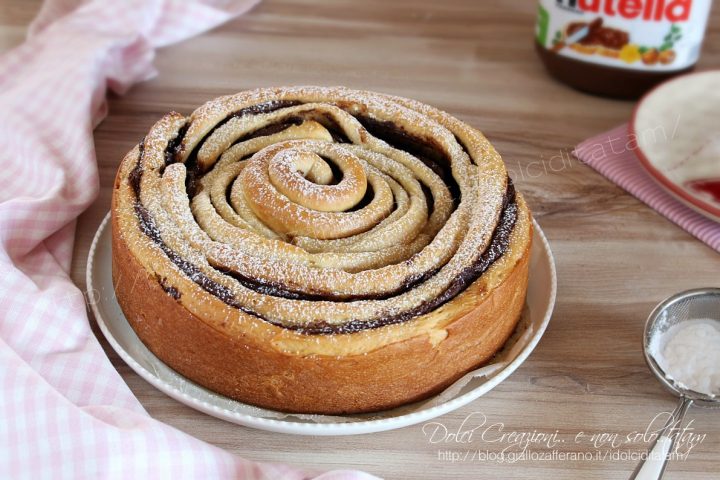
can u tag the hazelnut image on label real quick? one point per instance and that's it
(666, 57)
(650, 57)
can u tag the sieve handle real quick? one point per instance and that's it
(653, 466)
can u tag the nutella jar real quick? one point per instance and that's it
(620, 48)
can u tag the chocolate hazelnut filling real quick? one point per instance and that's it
(424, 149)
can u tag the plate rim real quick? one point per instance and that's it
(323, 429)
(698, 204)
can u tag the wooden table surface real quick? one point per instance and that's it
(616, 258)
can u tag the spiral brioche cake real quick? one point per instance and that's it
(319, 250)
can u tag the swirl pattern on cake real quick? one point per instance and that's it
(323, 210)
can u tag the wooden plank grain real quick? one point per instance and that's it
(616, 258)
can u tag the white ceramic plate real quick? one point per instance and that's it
(677, 129)
(540, 301)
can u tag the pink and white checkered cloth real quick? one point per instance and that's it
(608, 154)
(64, 410)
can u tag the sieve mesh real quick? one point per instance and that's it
(690, 305)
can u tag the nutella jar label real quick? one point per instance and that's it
(651, 35)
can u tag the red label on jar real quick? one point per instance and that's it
(654, 35)
(651, 10)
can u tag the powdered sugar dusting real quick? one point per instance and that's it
(285, 241)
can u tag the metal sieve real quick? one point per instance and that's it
(702, 303)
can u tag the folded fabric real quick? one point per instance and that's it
(64, 410)
(613, 155)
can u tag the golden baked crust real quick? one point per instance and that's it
(300, 331)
